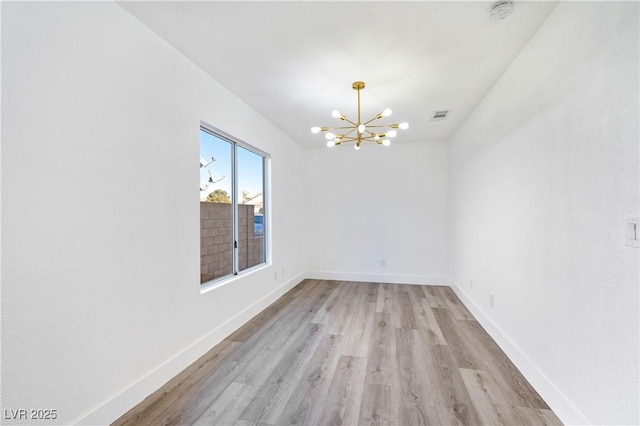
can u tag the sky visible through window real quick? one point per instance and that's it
(250, 173)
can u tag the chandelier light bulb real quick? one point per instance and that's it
(361, 128)
(387, 112)
(403, 126)
(315, 129)
(376, 138)
(392, 133)
(330, 136)
(330, 143)
(336, 114)
(386, 142)
(356, 147)
(203, 162)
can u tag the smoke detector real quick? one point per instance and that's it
(500, 10)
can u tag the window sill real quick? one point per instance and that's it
(212, 285)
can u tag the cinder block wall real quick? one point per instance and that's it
(216, 237)
(250, 246)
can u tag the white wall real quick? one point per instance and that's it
(101, 300)
(378, 203)
(543, 173)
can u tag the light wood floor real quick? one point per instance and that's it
(346, 353)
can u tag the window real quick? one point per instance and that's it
(232, 206)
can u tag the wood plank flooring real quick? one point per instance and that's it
(351, 353)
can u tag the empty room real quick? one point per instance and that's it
(408, 213)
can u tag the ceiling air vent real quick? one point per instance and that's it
(439, 115)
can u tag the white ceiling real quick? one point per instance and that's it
(294, 62)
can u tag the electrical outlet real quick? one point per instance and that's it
(282, 272)
(491, 300)
(383, 262)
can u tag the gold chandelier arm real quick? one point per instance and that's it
(347, 140)
(346, 137)
(349, 121)
(355, 138)
(377, 117)
(392, 126)
(324, 129)
(372, 138)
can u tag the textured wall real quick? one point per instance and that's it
(543, 173)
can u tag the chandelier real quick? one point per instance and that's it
(359, 131)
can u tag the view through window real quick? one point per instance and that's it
(232, 207)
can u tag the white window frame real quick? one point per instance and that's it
(266, 167)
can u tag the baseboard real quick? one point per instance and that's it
(111, 410)
(559, 403)
(378, 278)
